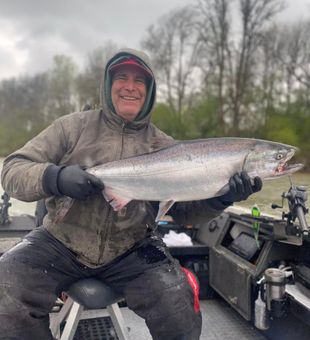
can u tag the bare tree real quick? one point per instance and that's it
(88, 82)
(255, 14)
(269, 74)
(62, 87)
(174, 46)
(214, 28)
(293, 52)
(231, 52)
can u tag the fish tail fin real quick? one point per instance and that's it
(116, 202)
(62, 208)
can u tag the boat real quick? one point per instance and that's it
(253, 271)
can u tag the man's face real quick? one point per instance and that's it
(128, 91)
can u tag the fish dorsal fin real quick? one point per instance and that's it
(117, 202)
(164, 206)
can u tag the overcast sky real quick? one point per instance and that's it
(33, 31)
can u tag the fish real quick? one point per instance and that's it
(190, 170)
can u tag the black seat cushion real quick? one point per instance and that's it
(93, 294)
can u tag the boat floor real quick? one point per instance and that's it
(219, 321)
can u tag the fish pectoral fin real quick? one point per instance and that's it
(164, 206)
(116, 202)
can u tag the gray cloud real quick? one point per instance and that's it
(40, 29)
(6, 63)
(74, 27)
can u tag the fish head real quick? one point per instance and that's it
(270, 159)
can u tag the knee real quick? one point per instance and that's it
(10, 299)
(10, 286)
(181, 300)
(11, 311)
(17, 319)
(171, 313)
(164, 292)
(166, 300)
(17, 309)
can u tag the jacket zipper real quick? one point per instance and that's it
(110, 210)
(122, 141)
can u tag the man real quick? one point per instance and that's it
(119, 248)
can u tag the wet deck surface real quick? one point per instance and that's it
(219, 322)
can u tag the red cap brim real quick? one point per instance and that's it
(131, 62)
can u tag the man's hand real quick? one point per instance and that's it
(240, 188)
(72, 181)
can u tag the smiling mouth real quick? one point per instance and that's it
(129, 98)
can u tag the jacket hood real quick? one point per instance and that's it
(144, 116)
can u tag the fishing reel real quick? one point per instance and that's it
(296, 197)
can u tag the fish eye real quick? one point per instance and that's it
(279, 156)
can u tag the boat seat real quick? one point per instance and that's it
(87, 299)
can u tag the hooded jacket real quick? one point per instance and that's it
(91, 228)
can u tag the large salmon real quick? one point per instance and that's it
(191, 170)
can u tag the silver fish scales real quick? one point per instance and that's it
(191, 170)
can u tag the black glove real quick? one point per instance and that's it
(70, 181)
(240, 188)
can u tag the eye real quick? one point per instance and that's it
(140, 80)
(119, 76)
(279, 156)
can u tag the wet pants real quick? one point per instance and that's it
(38, 269)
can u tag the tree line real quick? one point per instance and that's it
(224, 68)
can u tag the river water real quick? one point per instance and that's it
(271, 193)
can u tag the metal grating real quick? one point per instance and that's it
(95, 329)
(220, 321)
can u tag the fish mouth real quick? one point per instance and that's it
(284, 168)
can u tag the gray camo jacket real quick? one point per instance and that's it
(91, 228)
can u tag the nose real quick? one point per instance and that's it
(129, 85)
